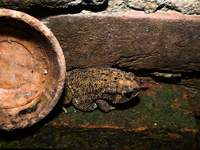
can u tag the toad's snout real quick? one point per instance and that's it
(130, 94)
(126, 95)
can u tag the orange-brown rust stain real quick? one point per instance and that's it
(150, 92)
(175, 105)
(87, 125)
(185, 96)
(97, 126)
(189, 130)
(140, 129)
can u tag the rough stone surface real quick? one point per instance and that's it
(111, 6)
(151, 6)
(27, 4)
(164, 41)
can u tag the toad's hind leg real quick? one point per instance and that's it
(103, 105)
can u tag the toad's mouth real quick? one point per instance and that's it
(131, 94)
(125, 96)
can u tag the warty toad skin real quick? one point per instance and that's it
(99, 86)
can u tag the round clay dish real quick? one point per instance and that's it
(32, 72)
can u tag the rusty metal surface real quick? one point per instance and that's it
(32, 70)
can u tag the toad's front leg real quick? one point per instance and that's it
(104, 106)
(64, 109)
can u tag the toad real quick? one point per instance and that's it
(99, 86)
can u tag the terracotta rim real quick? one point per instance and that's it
(39, 27)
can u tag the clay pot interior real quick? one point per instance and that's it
(32, 70)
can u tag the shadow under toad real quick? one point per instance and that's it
(127, 105)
